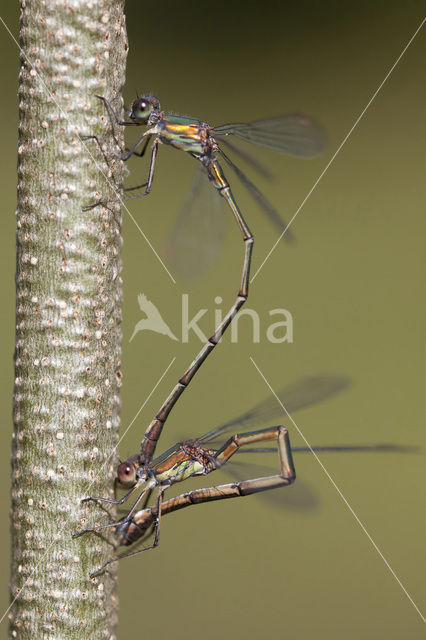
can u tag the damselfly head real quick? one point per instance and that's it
(143, 107)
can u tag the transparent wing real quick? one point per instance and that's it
(301, 394)
(248, 157)
(198, 232)
(347, 448)
(294, 134)
(299, 494)
(264, 204)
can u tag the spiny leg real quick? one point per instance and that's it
(154, 430)
(102, 147)
(111, 500)
(147, 489)
(157, 519)
(125, 123)
(101, 144)
(114, 116)
(128, 123)
(129, 152)
(132, 151)
(148, 183)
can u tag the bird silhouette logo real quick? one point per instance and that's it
(153, 320)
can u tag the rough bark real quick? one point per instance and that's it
(68, 337)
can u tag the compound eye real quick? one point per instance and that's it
(144, 106)
(141, 110)
(126, 473)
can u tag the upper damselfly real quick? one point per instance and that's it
(292, 134)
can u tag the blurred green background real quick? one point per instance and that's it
(353, 283)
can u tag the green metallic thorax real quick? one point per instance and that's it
(184, 133)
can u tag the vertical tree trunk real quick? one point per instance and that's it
(68, 338)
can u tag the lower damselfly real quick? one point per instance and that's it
(294, 134)
(199, 456)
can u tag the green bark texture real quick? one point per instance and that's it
(68, 313)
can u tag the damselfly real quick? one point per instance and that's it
(198, 457)
(292, 134)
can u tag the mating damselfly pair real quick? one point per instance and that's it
(143, 474)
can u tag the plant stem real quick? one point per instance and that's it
(68, 337)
